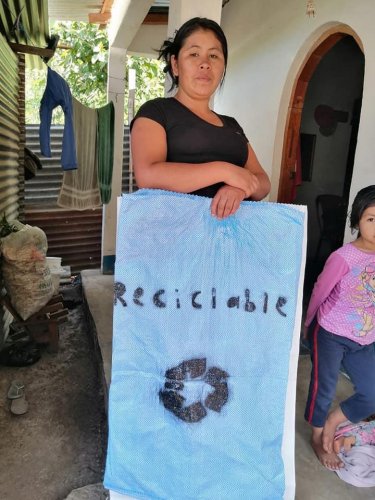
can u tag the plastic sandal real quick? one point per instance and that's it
(19, 406)
(16, 389)
(16, 393)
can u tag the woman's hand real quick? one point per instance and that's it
(241, 178)
(226, 201)
(252, 178)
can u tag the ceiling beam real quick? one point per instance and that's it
(104, 16)
(30, 49)
(99, 18)
(127, 17)
(156, 18)
(107, 6)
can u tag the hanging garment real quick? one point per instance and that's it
(205, 347)
(80, 189)
(105, 145)
(359, 466)
(57, 93)
(32, 164)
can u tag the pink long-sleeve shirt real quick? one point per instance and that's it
(343, 298)
(364, 432)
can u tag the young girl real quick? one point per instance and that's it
(342, 306)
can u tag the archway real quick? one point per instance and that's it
(321, 131)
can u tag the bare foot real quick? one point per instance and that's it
(329, 460)
(335, 418)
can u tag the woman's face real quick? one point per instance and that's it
(200, 65)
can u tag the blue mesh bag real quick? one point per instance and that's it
(206, 324)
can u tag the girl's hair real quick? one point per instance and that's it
(365, 198)
(172, 46)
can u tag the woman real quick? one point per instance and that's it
(180, 144)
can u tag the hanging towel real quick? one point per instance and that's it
(105, 144)
(80, 189)
(57, 93)
(205, 347)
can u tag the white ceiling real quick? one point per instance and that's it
(73, 10)
(79, 10)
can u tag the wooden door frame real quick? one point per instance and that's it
(297, 100)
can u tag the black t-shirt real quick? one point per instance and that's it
(190, 139)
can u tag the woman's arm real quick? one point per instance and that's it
(262, 185)
(227, 200)
(149, 153)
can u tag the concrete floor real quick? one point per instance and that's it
(59, 444)
(313, 481)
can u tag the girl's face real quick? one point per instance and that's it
(199, 65)
(367, 228)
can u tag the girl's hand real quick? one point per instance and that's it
(345, 442)
(226, 201)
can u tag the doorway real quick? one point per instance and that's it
(320, 143)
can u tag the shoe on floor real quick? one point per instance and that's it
(16, 389)
(16, 394)
(20, 354)
(19, 406)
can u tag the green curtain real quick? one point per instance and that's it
(105, 145)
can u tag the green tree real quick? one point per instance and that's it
(83, 64)
(150, 78)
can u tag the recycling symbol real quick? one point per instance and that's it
(194, 369)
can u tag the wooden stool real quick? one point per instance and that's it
(42, 326)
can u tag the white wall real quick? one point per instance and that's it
(148, 40)
(268, 41)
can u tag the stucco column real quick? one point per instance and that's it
(115, 92)
(182, 10)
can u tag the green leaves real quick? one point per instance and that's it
(149, 79)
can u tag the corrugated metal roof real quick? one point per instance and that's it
(9, 131)
(25, 21)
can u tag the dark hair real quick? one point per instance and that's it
(364, 199)
(172, 46)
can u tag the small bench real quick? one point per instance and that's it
(42, 326)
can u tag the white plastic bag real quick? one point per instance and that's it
(27, 277)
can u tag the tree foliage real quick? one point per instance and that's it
(84, 66)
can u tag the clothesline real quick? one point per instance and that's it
(87, 147)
